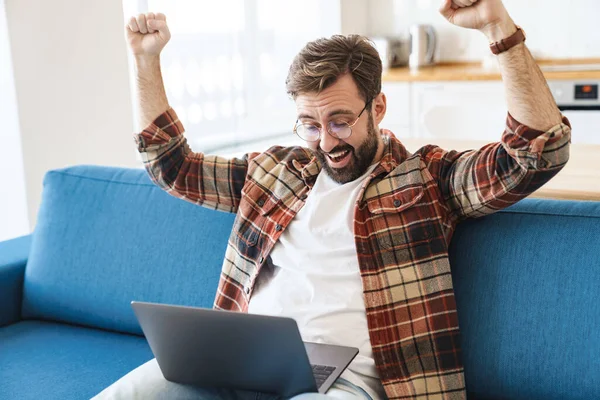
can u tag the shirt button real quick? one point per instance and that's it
(397, 203)
(278, 228)
(247, 290)
(261, 259)
(261, 202)
(303, 197)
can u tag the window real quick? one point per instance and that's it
(225, 66)
(14, 220)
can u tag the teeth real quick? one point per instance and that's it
(338, 154)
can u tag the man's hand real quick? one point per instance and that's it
(487, 16)
(147, 34)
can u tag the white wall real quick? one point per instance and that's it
(555, 28)
(354, 16)
(13, 203)
(73, 93)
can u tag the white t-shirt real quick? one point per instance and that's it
(315, 278)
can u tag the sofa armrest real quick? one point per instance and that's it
(13, 258)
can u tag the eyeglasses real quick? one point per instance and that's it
(337, 129)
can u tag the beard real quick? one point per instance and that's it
(362, 157)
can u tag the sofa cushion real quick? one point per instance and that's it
(527, 283)
(107, 236)
(43, 360)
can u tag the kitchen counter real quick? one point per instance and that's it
(475, 71)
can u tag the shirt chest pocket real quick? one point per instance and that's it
(256, 205)
(401, 218)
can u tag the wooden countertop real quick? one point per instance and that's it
(475, 71)
(562, 194)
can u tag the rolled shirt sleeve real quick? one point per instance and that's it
(211, 181)
(479, 182)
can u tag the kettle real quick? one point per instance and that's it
(422, 46)
(394, 51)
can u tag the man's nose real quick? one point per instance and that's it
(327, 142)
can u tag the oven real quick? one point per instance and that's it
(580, 102)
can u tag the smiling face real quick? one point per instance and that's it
(343, 159)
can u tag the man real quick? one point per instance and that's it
(350, 234)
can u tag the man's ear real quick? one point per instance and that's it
(379, 108)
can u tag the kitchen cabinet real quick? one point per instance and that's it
(586, 126)
(458, 110)
(397, 117)
(445, 110)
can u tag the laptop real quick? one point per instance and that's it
(213, 348)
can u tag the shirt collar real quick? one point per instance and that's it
(394, 154)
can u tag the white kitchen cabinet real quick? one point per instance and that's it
(398, 116)
(586, 126)
(458, 110)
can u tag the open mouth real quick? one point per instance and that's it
(339, 158)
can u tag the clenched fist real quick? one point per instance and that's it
(488, 16)
(147, 34)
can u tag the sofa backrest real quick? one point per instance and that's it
(527, 284)
(107, 236)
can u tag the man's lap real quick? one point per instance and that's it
(147, 382)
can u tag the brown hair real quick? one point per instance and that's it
(321, 62)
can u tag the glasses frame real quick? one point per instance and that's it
(296, 124)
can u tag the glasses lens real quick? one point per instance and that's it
(308, 132)
(340, 129)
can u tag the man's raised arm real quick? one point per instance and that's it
(147, 35)
(211, 181)
(528, 97)
(534, 146)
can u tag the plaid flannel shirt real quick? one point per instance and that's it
(405, 216)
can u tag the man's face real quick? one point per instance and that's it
(343, 159)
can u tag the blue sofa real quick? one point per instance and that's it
(527, 284)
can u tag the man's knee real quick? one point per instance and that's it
(148, 382)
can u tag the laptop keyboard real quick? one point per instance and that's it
(321, 373)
